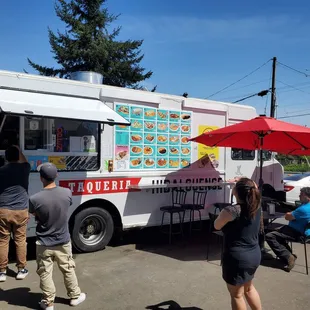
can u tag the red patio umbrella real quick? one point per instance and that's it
(260, 133)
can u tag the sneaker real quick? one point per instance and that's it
(291, 263)
(79, 300)
(2, 276)
(22, 274)
(44, 306)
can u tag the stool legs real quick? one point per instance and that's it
(170, 230)
(306, 258)
(171, 223)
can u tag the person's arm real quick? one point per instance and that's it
(31, 208)
(223, 218)
(298, 214)
(22, 158)
(289, 216)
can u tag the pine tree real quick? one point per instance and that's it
(87, 45)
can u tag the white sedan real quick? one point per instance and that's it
(293, 183)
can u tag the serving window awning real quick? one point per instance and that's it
(57, 106)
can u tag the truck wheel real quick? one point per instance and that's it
(93, 229)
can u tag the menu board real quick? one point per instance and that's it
(156, 139)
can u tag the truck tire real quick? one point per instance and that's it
(92, 230)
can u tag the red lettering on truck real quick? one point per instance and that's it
(99, 186)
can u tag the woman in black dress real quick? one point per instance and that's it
(240, 224)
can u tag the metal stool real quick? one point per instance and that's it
(178, 200)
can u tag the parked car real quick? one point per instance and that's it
(293, 183)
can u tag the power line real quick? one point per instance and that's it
(291, 116)
(289, 105)
(293, 69)
(291, 86)
(297, 111)
(260, 94)
(244, 86)
(283, 89)
(221, 90)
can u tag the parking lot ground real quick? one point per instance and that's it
(143, 271)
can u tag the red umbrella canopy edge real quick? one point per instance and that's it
(274, 135)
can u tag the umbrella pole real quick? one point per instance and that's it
(260, 186)
(261, 181)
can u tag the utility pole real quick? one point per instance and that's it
(273, 88)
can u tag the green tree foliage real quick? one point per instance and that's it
(88, 45)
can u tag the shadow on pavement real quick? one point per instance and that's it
(23, 297)
(187, 248)
(172, 305)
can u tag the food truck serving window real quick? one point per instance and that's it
(240, 154)
(71, 145)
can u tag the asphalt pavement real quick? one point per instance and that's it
(143, 271)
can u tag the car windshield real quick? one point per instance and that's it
(297, 177)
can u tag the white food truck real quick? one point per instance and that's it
(112, 144)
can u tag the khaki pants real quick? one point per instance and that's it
(62, 254)
(13, 221)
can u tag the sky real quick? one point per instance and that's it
(197, 46)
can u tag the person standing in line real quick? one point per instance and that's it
(51, 210)
(240, 224)
(14, 181)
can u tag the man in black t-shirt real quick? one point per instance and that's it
(14, 180)
(51, 210)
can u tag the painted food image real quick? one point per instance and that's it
(123, 109)
(185, 150)
(149, 125)
(121, 155)
(162, 162)
(162, 115)
(184, 140)
(184, 162)
(162, 126)
(174, 163)
(136, 149)
(136, 111)
(150, 138)
(185, 117)
(136, 124)
(174, 151)
(174, 139)
(162, 139)
(174, 127)
(149, 113)
(122, 126)
(136, 162)
(185, 128)
(174, 116)
(162, 150)
(149, 162)
(136, 138)
(148, 150)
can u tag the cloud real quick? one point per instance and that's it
(178, 29)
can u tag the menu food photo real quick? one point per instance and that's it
(156, 139)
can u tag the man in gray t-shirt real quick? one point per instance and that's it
(51, 210)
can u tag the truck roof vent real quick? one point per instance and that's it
(87, 76)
